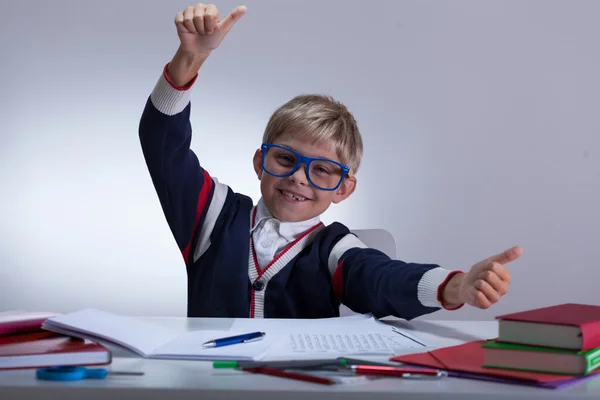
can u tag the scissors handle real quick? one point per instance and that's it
(70, 373)
(74, 373)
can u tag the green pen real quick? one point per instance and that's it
(334, 363)
(280, 364)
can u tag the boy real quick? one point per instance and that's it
(276, 259)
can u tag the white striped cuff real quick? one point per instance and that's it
(427, 288)
(167, 99)
(346, 243)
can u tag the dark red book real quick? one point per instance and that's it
(47, 349)
(566, 326)
(468, 360)
(18, 321)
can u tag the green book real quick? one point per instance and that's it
(540, 359)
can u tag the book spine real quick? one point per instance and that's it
(592, 361)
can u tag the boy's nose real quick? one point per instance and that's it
(299, 176)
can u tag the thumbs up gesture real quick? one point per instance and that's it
(484, 284)
(200, 28)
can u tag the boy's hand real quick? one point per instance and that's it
(484, 284)
(200, 28)
(200, 31)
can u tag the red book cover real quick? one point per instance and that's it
(22, 321)
(469, 358)
(46, 349)
(585, 316)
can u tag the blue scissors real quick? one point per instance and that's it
(75, 373)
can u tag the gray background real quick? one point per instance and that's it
(480, 123)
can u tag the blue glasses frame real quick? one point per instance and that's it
(301, 159)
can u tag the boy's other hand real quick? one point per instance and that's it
(200, 28)
(484, 284)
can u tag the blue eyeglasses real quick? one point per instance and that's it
(322, 173)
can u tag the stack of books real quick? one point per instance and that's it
(25, 344)
(561, 339)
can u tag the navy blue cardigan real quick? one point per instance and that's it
(211, 225)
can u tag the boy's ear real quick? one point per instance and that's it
(257, 161)
(345, 190)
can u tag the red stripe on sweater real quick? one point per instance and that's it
(202, 203)
(338, 281)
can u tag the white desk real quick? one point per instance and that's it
(173, 379)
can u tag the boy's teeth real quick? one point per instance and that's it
(294, 197)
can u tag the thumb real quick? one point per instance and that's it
(507, 256)
(232, 18)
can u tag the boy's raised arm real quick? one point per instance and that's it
(184, 188)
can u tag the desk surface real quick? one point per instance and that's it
(175, 379)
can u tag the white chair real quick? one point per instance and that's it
(379, 239)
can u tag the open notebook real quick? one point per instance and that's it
(357, 335)
(154, 341)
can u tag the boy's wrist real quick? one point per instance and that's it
(184, 67)
(450, 295)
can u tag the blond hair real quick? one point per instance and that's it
(322, 119)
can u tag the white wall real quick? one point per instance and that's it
(480, 122)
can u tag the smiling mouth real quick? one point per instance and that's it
(292, 196)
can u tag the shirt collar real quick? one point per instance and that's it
(289, 230)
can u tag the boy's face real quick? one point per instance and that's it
(308, 201)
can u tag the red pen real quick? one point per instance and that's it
(401, 372)
(291, 375)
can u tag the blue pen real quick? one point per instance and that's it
(245, 338)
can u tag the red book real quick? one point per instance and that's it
(47, 349)
(468, 359)
(22, 321)
(566, 326)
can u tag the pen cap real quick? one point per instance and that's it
(225, 364)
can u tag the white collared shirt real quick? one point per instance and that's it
(271, 236)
